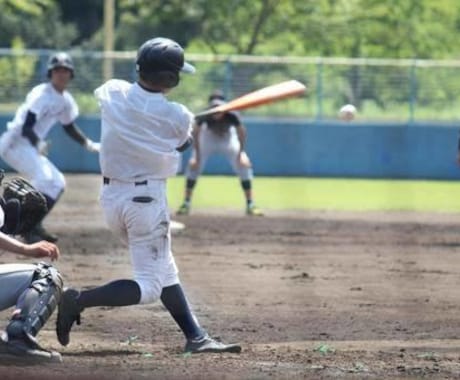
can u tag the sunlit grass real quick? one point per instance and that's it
(279, 193)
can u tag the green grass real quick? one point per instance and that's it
(322, 194)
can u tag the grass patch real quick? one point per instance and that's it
(277, 193)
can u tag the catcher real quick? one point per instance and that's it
(34, 289)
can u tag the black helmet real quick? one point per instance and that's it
(160, 60)
(60, 59)
(216, 95)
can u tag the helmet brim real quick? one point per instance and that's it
(216, 102)
(188, 68)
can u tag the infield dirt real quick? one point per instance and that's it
(309, 295)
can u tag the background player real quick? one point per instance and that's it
(221, 133)
(23, 145)
(142, 134)
(35, 289)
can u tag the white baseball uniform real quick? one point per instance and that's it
(219, 137)
(140, 133)
(50, 107)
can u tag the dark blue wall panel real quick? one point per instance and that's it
(293, 148)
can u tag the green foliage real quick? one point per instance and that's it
(349, 28)
(16, 71)
(36, 22)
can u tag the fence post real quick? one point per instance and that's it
(412, 91)
(319, 90)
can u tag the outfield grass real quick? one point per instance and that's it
(322, 194)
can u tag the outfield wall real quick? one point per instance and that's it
(293, 148)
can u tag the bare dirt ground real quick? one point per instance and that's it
(308, 295)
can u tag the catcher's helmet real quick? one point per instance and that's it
(159, 60)
(60, 59)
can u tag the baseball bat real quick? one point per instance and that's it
(265, 95)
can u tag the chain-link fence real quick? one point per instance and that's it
(381, 89)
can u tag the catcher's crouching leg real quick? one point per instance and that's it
(33, 309)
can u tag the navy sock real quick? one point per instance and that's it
(174, 300)
(115, 293)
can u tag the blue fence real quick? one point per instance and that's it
(294, 148)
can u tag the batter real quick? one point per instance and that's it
(143, 134)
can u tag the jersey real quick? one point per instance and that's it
(220, 126)
(49, 106)
(140, 132)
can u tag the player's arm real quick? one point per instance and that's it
(243, 159)
(77, 135)
(196, 137)
(36, 250)
(240, 131)
(28, 128)
(185, 145)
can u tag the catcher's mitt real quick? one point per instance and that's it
(23, 205)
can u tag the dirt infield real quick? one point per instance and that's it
(308, 295)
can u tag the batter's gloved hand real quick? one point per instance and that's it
(23, 206)
(92, 146)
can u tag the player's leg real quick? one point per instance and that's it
(243, 170)
(51, 183)
(40, 289)
(42, 174)
(121, 292)
(194, 170)
(159, 273)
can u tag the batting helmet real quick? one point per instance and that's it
(60, 59)
(159, 60)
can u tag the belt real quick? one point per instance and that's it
(106, 181)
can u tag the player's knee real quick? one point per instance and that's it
(190, 184)
(51, 187)
(150, 290)
(245, 174)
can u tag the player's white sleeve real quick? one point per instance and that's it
(70, 112)
(36, 102)
(185, 125)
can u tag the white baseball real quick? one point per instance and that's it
(347, 112)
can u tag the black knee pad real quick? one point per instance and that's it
(37, 302)
(246, 184)
(190, 184)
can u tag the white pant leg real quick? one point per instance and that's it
(229, 146)
(208, 146)
(145, 228)
(14, 279)
(18, 153)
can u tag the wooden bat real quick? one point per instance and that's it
(265, 95)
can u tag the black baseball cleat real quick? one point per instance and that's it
(25, 351)
(68, 313)
(208, 344)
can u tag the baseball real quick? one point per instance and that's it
(347, 112)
